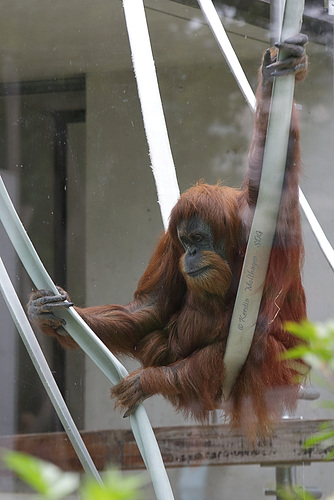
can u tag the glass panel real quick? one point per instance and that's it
(74, 157)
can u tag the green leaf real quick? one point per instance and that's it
(44, 477)
(296, 352)
(327, 404)
(295, 493)
(302, 493)
(304, 330)
(116, 486)
(319, 437)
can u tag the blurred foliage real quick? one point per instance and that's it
(298, 493)
(318, 352)
(51, 483)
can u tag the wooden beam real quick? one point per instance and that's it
(180, 446)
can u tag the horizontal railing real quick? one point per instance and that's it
(181, 446)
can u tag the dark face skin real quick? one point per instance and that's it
(196, 237)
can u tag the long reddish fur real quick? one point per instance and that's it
(179, 331)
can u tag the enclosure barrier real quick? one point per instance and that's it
(185, 446)
(181, 446)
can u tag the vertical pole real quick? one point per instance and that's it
(276, 20)
(248, 298)
(285, 481)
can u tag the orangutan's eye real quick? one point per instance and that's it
(198, 237)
